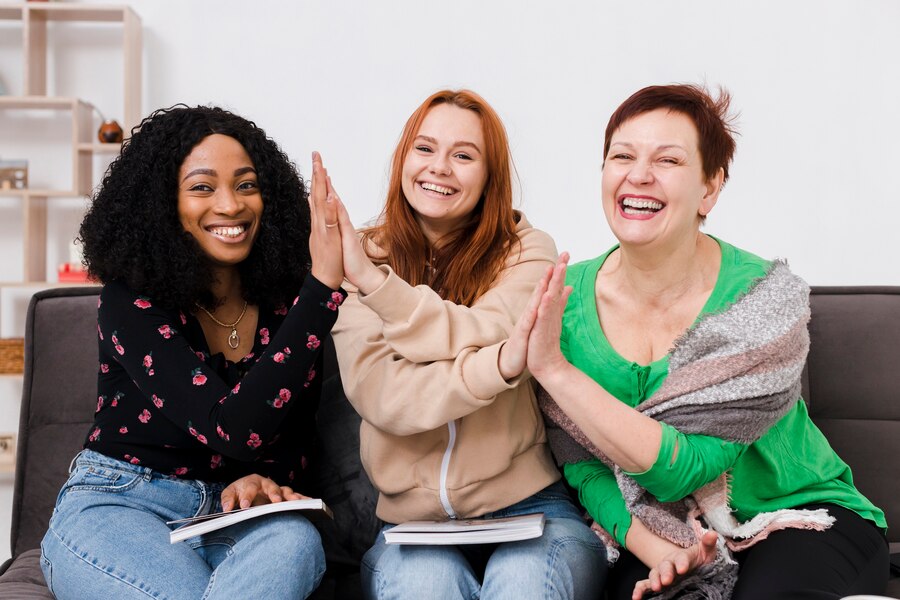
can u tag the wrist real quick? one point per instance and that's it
(370, 279)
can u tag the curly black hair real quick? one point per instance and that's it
(132, 233)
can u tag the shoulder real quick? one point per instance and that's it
(534, 244)
(738, 263)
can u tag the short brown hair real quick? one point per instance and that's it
(715, 127)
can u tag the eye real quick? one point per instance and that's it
(200, 187)
(621, 156)
(247, 185)
(462, 156)
(421, 148)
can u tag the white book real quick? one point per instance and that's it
(467, 531)
(206, 523)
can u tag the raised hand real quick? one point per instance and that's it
(252, 490)
(543, 353)
(325, 249)
(676, 565)
(358, 267)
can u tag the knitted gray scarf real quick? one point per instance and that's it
(732, 375)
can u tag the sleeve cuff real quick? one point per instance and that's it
(659, 472)
(394, 300)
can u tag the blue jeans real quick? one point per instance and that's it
(108, 538)
(567, 561)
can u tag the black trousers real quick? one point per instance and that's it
(851, 557)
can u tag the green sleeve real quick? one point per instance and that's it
(700, 459)
(600, 495)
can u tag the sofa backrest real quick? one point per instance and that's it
(852, 385)
(58, 401)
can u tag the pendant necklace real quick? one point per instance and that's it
(234, 339)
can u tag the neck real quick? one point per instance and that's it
(227, 287)
(660, 276)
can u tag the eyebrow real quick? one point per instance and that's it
(658, 148)
(455, 144)
(213, 173)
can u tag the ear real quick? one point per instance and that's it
(713, 187)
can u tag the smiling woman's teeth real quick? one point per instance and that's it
(632, 206)
(227, 231)
(437, 188)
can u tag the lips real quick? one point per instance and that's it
(230, 233)
(436, 189)
(641, 207)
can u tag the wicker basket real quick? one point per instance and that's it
(12, 355)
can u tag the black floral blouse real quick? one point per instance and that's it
(165, 403)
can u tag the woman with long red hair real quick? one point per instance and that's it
(435, 290)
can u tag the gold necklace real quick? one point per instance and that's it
(234, 340)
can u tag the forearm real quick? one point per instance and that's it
(628, 438)
(646, 545)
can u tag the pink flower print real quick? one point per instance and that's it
(201, 355)
(95, 435)
(166, 331)
(254, 441)
(100, 333)
(331, 305)
(116, 343)
(198, 378)
(157, 401)
(281, 310)
(216, 461)
(264, 336)
(311, 374)
(144, 416)
(123, 430)
(284, 394)
(116, 398)
(104, 368)
(148, 360)
(248, 357)
(312, 342)
(133, 459)
(200, 437)
(236, 388)
(337, 298)
(277, 403)
(142, 303)
(283, 356)
(100, 401)
(222, 433)
(181, 471)
(183, 318)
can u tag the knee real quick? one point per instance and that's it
(292, 539)
(418, 572)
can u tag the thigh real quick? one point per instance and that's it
(851, 557)
(392, 571)
(273, 556)
(108, 538)
(567, 562)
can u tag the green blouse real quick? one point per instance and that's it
(791, 465)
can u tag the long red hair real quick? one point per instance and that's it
(468, 261)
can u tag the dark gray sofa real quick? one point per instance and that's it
(850, 384)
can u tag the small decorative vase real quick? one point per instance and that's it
(110, 132)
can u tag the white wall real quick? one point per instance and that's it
(816, 83)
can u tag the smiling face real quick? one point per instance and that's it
(654, 188)
(445, 170)
(219, 202)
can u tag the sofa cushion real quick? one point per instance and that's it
(24, 579)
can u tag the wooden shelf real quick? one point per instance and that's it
(37, 39)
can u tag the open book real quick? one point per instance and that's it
(206, 523)
(467, 531)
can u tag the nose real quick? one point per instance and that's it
(641, 172)
(227, 202)
(440, 165)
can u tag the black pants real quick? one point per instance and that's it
(851, 557)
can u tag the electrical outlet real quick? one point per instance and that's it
(7, 452)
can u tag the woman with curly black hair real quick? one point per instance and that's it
(219, 283)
